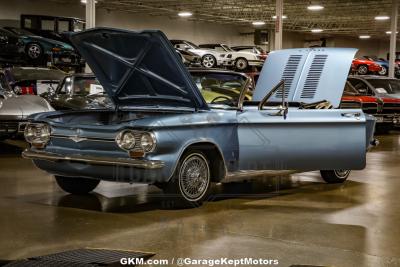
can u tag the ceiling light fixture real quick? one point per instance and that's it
(383, 17)
(316, 30)
(283, 17)
(258, 23)
(364, 36)
(390, 32)
(185, 14)
(85, 1)
(315, 7)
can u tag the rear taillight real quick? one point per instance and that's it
(27, 90)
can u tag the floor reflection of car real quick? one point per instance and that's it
(31, 80)
(386, 110)
(15, 109)
(163, 132)
(78, 91)
(219, 85)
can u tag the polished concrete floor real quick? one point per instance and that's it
(298, 220)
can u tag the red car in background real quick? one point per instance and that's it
(365, 66)
(384, 109)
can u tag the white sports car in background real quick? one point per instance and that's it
(241, 60)
(209, 58)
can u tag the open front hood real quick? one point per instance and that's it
(138, 69)
(310, 74)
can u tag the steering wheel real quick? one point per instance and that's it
(223, 98)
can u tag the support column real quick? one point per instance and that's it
(393, 37)
(90, 14)
(90, 21)
(278, 24)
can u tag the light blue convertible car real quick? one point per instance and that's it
(163, 132)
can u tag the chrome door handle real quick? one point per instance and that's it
(351, 115)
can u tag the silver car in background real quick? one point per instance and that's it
(14, 109)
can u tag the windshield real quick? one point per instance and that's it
(78, 26)
(372, 58)
(227, 48)
(19, 31)
(192, 45)
(260, 50)
(218, 88)
(392, 86)
(349, 90)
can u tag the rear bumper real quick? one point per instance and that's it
(105, 161)
(256, 63)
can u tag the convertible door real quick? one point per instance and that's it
(305, 140)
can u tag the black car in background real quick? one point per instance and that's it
(52, 27)
(11, 47)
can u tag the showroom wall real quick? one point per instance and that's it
(198, 32)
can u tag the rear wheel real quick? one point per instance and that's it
(335, 176)
(76, 185)
(383, 71)
(241, 64)
(34, 51)
(191, 182)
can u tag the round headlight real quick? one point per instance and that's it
(126, 140)
(37, 134)
(147, 142)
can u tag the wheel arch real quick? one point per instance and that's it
(214, 156)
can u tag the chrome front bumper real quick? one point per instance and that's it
(126, 162)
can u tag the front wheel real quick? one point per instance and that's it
(191, 182)
(335, 176)
(362, 70)
(76, 185)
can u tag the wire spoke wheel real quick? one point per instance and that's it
(194, 177)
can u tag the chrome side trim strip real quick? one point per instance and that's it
(127, 162)
(80, 139)
(252, 174)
